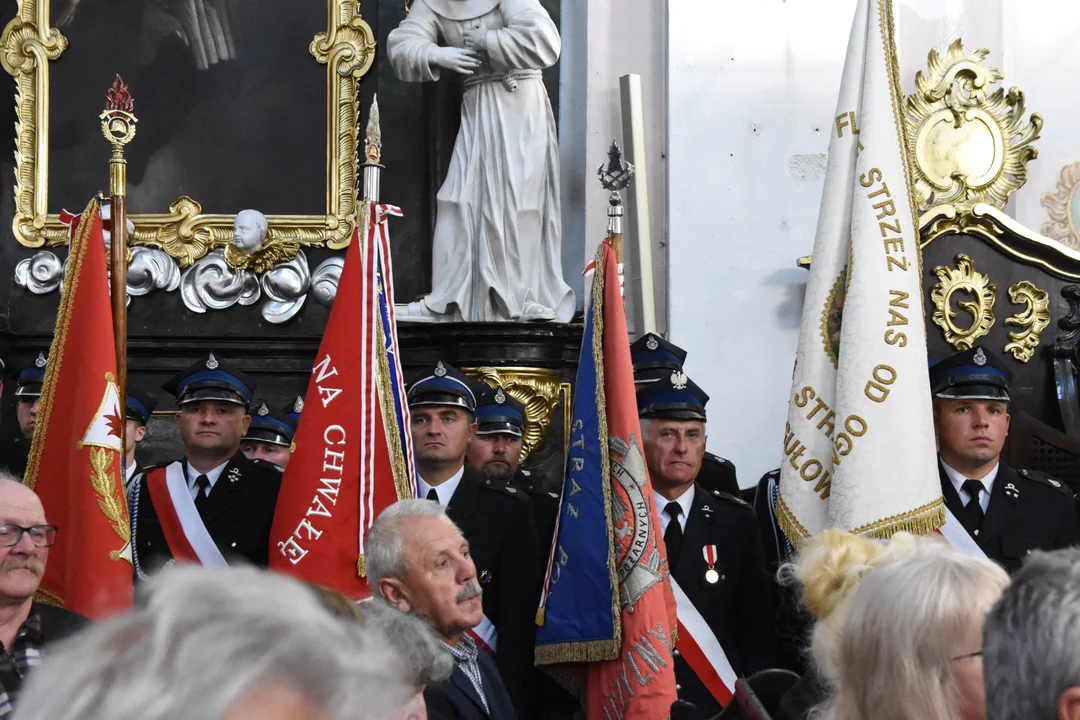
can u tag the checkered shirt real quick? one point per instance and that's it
(465, 655)
(26, 652)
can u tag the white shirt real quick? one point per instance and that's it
(212, 476)
(129, 472)
(685, 501)
(445, 491)
(958, 481)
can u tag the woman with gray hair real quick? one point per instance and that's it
(223, 643)
(910, 642)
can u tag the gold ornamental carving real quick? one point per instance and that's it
(537, 389)
(968, 146)
(347, 49)
(1032, 320)
(1064, 223)
(966, 280)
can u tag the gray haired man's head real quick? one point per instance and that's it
(426, 663)
(1031, 661)
(419, 562)
(220, 643)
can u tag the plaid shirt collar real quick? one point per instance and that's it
(26, 653)
(465, 657)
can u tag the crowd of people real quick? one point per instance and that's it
(872, 629)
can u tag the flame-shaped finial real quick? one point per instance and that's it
(373, 137)
(119, 98)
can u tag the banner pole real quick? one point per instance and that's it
(118, 127)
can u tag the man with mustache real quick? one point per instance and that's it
(712, 538)
(213, 505)
(419, 562)
(1008, 513)
(494, 517)
(27, 628)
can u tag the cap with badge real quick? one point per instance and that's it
(294, 408)
(442, 384)
(30, 379)
(211, 378)
(499, 413)
(672, 396)
(654, 357)
(975, 374)
(139, 406)
(271, 426)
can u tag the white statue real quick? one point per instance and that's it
(496, 253)
(249, 230)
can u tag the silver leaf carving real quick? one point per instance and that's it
(151, 269)
(40, 274)
(286, 284)
(325, 279)
(210, 284)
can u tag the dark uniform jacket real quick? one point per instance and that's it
(14, 455)
(545, 511)
(456, 698)
(238, 514)
(497, 521)
(718, 473)
(739, 608)
(1028, 511)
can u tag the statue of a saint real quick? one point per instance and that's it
(496, 253)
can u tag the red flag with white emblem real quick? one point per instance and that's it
(74, 463)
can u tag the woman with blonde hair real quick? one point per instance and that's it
(910, 642)
(828, 570)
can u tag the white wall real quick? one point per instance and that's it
(752, 93)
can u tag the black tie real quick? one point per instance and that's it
(973, 512)
(673, 535)
(432, 495)
(202, 483)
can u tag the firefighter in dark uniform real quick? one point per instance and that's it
(654, 358)
(1008, 513)
(138, 407)
(270, 435)
(16, 451)
(495, 453)
(494, 517)
(712, 538)
(234, 496)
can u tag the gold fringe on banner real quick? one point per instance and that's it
(920, 521)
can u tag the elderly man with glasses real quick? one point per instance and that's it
(27, 628)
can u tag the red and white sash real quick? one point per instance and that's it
(699, 647)
(957, 536)
(185, 533)
(485, 635)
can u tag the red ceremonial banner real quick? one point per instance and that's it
(74, 463)
(344, 471)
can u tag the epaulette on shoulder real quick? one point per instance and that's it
(718, 459)
(774, 474)
(1041, 477)
(513, 492)
(732, 499)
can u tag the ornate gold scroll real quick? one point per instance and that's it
(1032, 320)
(966, 280)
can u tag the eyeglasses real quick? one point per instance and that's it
(977, 653)
(40, 535)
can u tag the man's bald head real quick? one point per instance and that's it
(19, 499)
(22, 565)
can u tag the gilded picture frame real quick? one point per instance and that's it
(346, 48)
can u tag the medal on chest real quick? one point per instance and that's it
(711, 576)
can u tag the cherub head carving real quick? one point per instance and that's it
(249, 230)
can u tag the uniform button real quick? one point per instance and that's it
(675, 652)
(232, 544)
(678, 688)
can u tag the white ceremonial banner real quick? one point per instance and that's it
(859, 450)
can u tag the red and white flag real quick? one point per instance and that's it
(353, 453)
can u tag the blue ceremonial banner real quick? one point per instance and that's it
(608, 607)
(581, 605)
